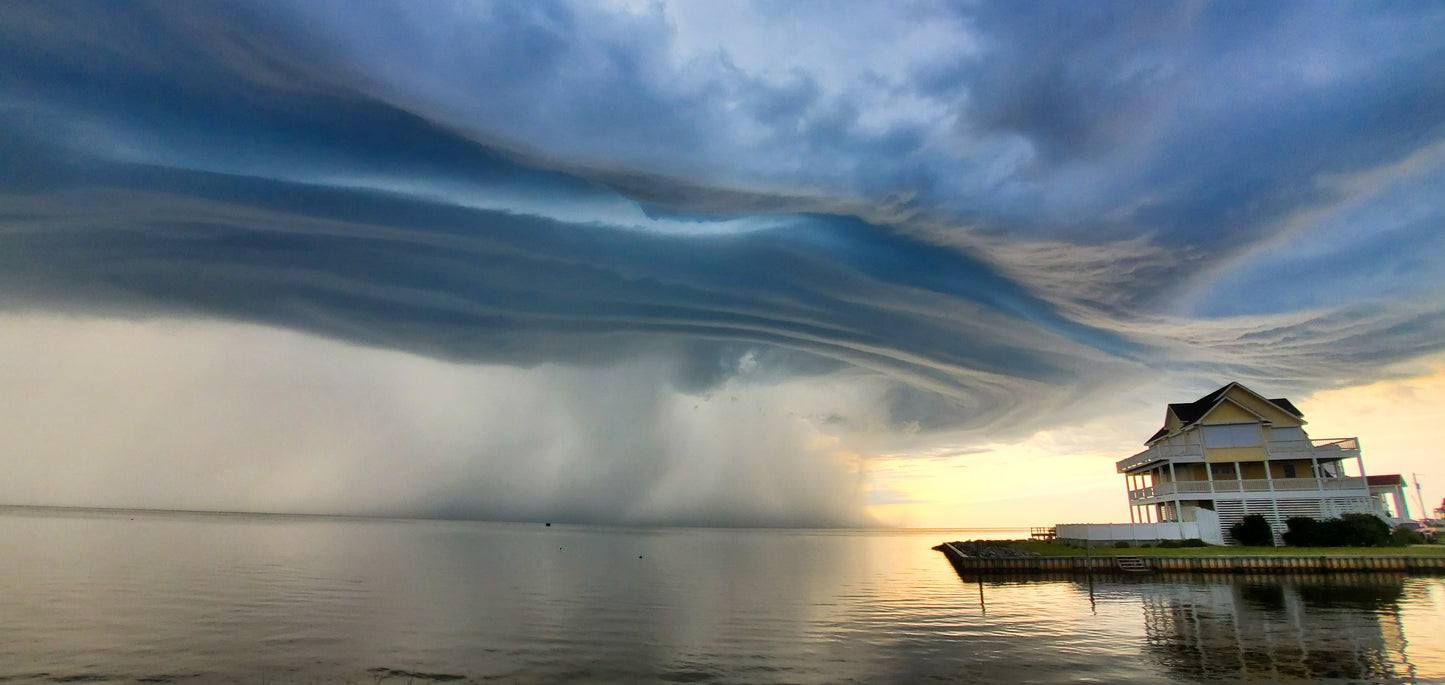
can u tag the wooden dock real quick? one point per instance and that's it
(1132, 565)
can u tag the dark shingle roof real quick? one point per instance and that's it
(1287, 405)
(1190, 412)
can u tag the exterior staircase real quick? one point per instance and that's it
(1132, 564)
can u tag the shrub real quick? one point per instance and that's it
(1366, 530)
(1196, 542)
(1350, 530)
(1253, 531)
(1169, 544)
(1404, 537)
(1302, 531)
(1121, 545)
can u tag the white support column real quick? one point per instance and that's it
(1278, 521)
(1174, 483)
(1402, 506)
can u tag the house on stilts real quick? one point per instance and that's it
(1232, 453)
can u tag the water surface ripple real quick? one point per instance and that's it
(143, 597)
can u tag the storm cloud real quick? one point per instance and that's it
(979, 218)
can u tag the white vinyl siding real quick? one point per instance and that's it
(1232, 435)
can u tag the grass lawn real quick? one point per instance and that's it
(1058, 549)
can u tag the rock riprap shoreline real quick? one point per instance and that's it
(985, 550)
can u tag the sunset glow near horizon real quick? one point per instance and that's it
(695, 263)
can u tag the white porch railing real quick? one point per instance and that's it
(1162, 452)
(1292, 485)
(1328, 449)
(1323, 448)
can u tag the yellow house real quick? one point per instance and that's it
(1235, 452)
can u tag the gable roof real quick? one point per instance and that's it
(1284, 404)
(1190, 413)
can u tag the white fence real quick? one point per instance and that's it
(1130, 532)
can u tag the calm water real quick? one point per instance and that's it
(137, 597)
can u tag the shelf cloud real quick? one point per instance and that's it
(876, 225)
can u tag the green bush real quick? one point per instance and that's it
(1253, 531)
(1350, 530)
(1121, 545)
(1404, 537)
(1169, 544)
(1303, 531)
(1366, 530)
(1196, 542)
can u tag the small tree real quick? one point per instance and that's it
(1253, 531)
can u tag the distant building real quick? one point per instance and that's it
(1235, 452)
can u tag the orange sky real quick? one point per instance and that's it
(1067, 475)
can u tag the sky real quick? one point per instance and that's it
(704, 263)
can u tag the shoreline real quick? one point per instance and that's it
(1143, 564)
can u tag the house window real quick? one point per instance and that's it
(1289, 471)
(1232, 435)
(1225, 469)
(1287, 434)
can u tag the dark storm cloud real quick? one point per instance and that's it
(493, 286)
(1207, 126)
(1068, 79)
(1049, 201)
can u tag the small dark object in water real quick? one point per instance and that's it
(399, 673)
(549, 525)
(639, 556)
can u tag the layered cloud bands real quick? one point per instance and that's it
(971, 234)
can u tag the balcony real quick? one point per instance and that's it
(1162, 452)
(1290, 485)
(1324, 449)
